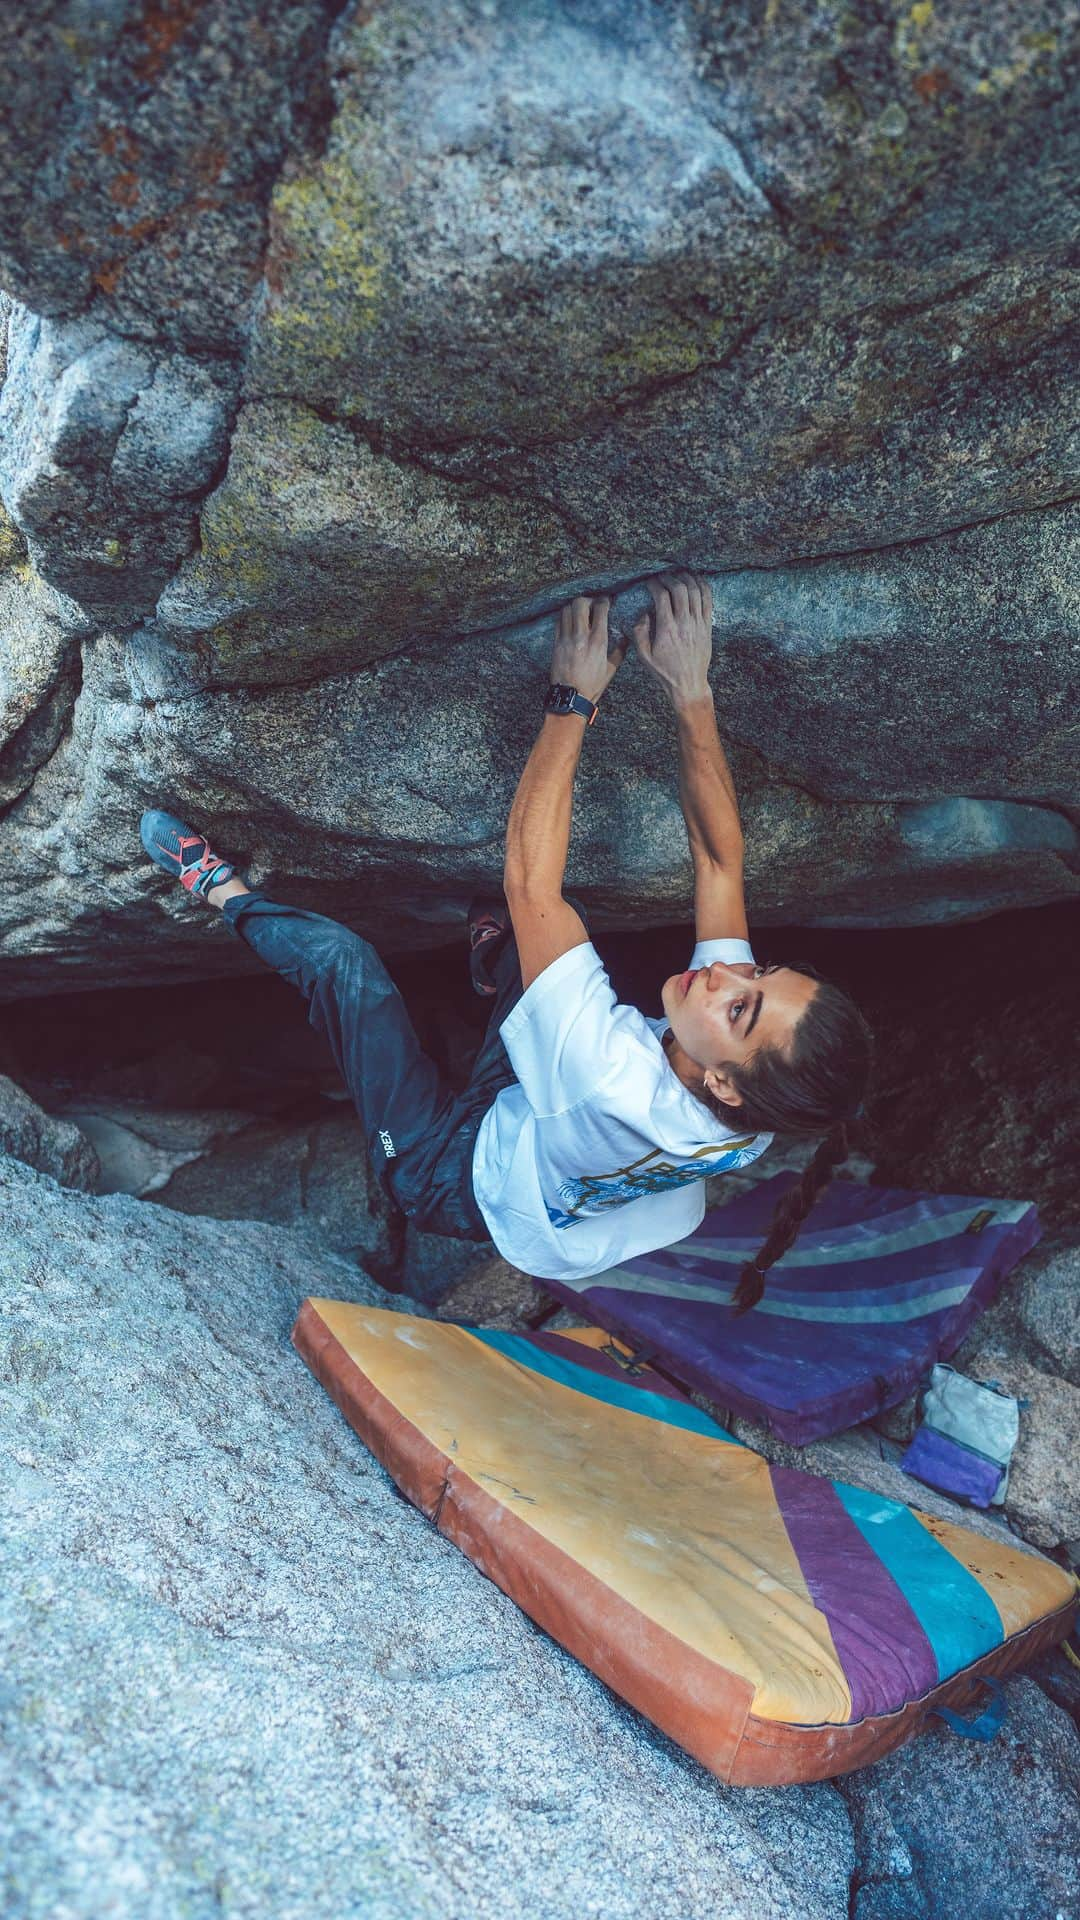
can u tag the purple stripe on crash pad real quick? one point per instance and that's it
(886, 1657)
(844, 1204)
(782, 1363)
(597, 1361)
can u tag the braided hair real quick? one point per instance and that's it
(820, 1087)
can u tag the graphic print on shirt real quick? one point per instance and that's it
(594, 1193)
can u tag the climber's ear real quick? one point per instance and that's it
(719, 1083)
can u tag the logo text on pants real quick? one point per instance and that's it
(388, 1146)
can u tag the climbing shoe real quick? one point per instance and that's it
(489, 929)
(183, 853)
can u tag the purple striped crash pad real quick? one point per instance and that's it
(879, 1284)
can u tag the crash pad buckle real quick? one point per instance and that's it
(980, 1220)
(632, 1360)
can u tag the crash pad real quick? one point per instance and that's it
(880, 1284)
(779, 1626)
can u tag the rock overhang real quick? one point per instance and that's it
(786, 300)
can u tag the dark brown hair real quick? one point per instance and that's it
(820, 1088)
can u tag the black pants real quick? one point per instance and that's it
(420, 1133)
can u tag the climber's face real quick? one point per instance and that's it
(723, 1013)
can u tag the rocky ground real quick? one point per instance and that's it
(242, 1675)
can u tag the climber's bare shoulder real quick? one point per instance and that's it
(545, 927)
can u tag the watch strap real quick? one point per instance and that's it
(562, 699)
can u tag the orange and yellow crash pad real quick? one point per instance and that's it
(778, 1625)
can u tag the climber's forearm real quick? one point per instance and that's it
(538, 830)
(706, 788)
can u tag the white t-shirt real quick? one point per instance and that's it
(599, 1152)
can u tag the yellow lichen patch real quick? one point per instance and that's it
(12, 544)
(300, 431)
(246, 529)
(239, 556)
(79, 45)
(669, 350)
(1001, 78)
(327, 261)
(909, 31)
(654, 354)
(226, 642)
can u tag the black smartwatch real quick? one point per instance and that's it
(560, 699)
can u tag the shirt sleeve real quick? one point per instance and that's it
(732, 952)
(568, 1033)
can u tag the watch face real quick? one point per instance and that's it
(559, 699)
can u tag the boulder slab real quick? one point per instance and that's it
(241, 1670)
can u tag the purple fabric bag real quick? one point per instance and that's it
(953, 1469)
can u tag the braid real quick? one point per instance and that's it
(790, 1213)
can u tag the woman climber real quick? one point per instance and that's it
(586, 1129)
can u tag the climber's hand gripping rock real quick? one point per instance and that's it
(585, 655)
(675, 640)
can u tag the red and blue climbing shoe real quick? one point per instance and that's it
(187, 855)
(489, 927)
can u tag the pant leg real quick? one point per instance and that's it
(396, 1089)
(408, 1111)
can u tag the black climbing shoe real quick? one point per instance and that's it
(489, 930)
(183, 853)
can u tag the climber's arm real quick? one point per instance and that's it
(537, 843)
(675, 643)
(713, 828)
(538, 831)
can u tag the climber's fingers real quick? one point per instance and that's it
(676, 584)
(700, 596)
(579, 615)
(693, 594)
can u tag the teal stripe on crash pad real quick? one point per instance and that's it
(615, 1393)
(834, 1247)
(868, 1312)
(956, 1614)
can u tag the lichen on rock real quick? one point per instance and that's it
(471, 308)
